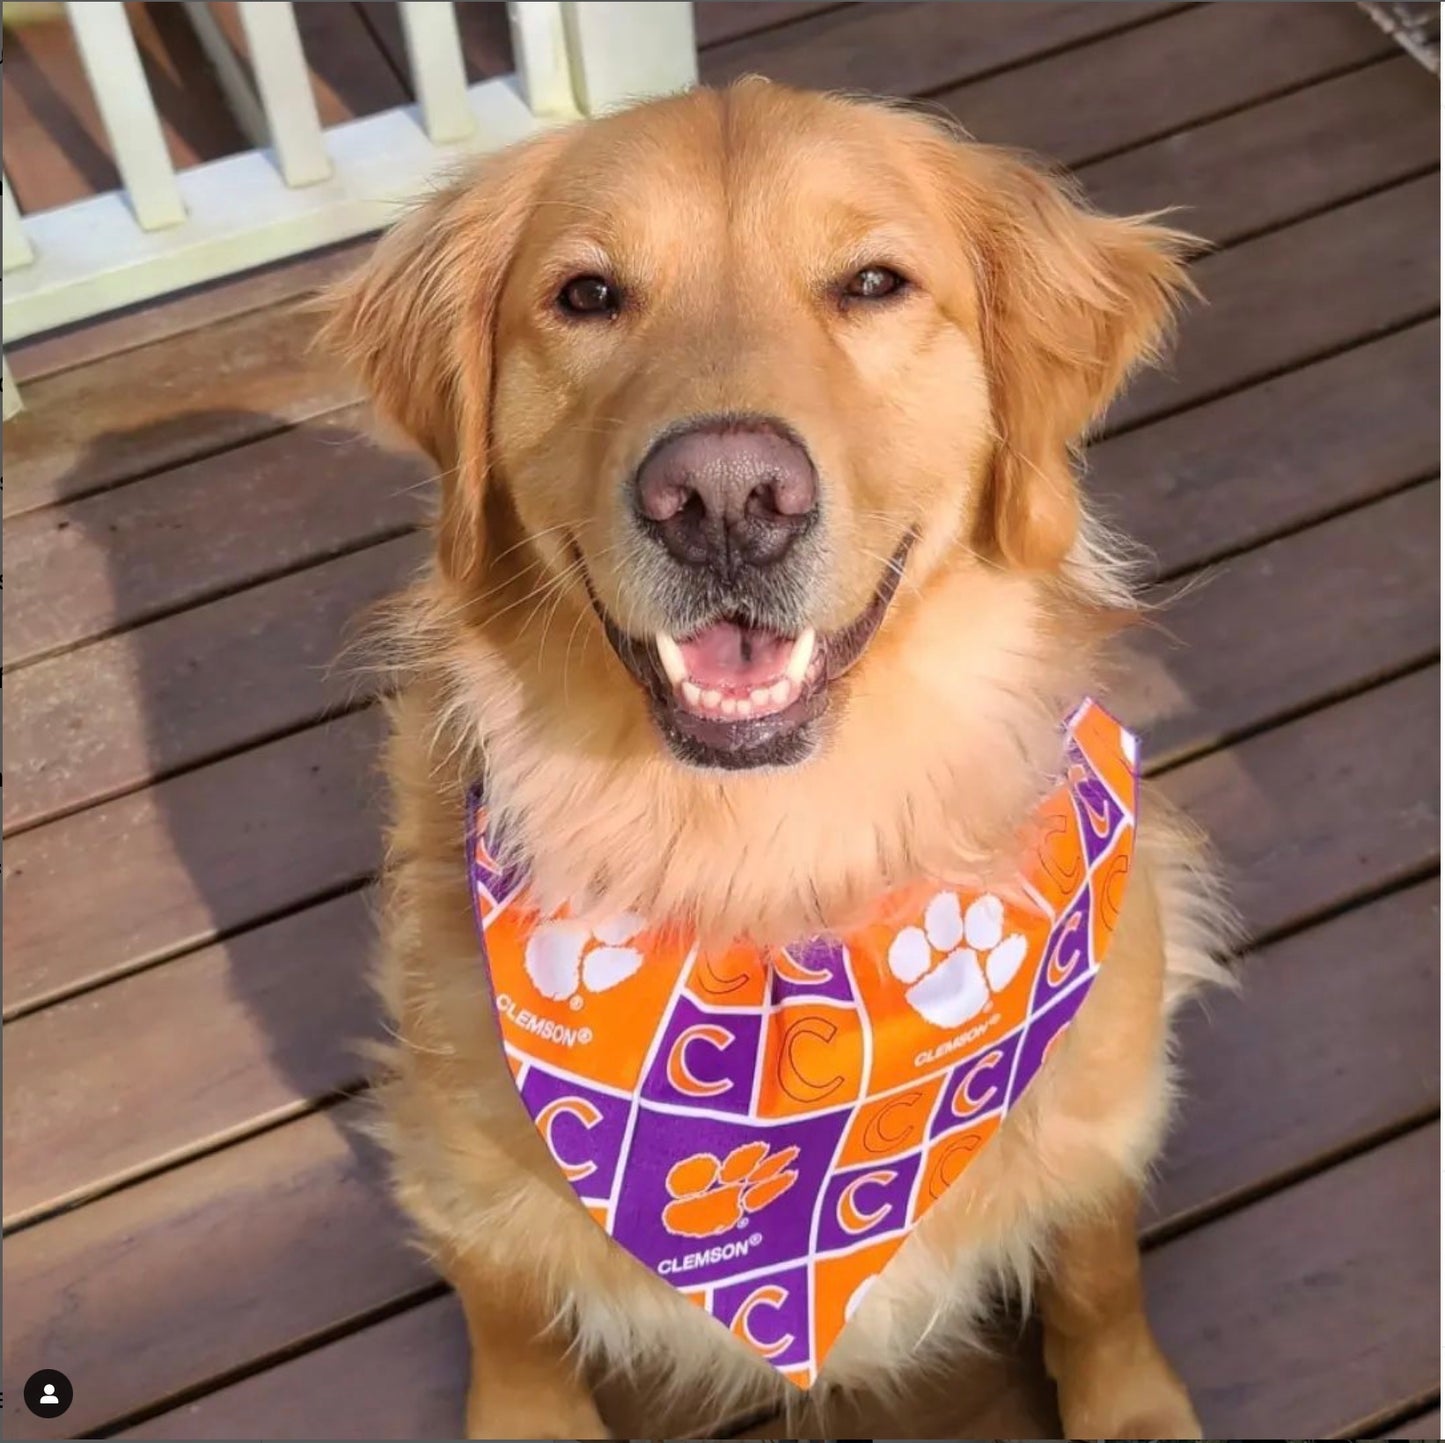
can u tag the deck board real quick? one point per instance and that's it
(194, 512)
(1300, 447)
(913, 48)
(1204, 670)
(110, 717)
(1266, 312)
(1273, 1086)
(1104, 96)
(1241, 1304)
(101, 893)
(106, 1087)
(116, 560)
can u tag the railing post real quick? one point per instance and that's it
(122, 94)
(285, 85)
(625, 50)
(18, 250)
(539, 51)
(434, 50)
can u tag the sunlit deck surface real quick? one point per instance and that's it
(198, 1238)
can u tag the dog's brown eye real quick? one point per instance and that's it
(873, 283)
(589, 296)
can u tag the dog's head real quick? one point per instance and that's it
(729, 376)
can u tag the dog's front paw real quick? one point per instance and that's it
(1106, 1391)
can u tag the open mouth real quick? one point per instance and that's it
(736, 695)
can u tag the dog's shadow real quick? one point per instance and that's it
(260, 621)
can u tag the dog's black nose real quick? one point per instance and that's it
(727, 493)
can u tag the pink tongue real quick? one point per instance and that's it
(728, 656)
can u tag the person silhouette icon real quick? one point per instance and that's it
(48, 1393)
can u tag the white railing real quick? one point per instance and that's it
(306, 185)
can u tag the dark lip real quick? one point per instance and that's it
(786, 737)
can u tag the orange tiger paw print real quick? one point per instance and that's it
(711, 1197)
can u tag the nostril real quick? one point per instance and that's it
(791, 494)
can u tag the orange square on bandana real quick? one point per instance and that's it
(1111, 881)
(908, 1043)
(734, 977)
(1058, 859)
(599, 1034)
(812, 1060)
(947, 1160)
(840, 1283)
(890, 1126)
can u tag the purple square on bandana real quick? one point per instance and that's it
(581, 1126)
(716, 1235)
(707, 1059)
(815, 968)
(771, 1313)
(1068, 951)
(866, 1203)
(977, 1086)
(1043, 1031)
(1100, 815)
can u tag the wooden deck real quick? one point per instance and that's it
(194, 1235)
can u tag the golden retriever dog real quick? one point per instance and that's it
(762, 585)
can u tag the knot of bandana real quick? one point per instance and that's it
(764, 1127)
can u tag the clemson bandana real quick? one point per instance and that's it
(764, 1127)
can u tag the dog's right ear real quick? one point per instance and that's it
(417, 324)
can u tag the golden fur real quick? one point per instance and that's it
(955, 415)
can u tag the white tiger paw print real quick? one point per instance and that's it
(951, 992)
(564, 958)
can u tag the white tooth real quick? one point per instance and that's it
(729, 706)
(802, 654)
(761, 696)
(670, 655)
(710, 699)
(691, 693)
(781, 691)
(744, 708)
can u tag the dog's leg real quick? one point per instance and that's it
(1113, 1380)
(523, 1384)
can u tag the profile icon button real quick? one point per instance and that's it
(48, 1393)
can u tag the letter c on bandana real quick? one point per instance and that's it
(585, 1113)
(791, 1077)
(791, 970)
(964, 1103)
(878, 1136)
(770, 1295)
(853, 1219)
(678, 1072)
(1057, 974)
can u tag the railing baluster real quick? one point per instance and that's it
(236, 85)
(623, 52)
(122, 94)
(539, 51)
(434, 50)
(285, 85)
(18, 250)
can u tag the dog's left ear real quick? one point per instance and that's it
(416, 323)
(1072, 301)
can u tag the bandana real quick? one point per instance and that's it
(763, 1127)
